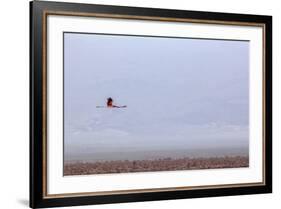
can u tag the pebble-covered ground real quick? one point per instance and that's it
(165, 164)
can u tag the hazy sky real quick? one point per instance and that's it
(180, 93)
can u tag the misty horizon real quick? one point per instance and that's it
(181, 94)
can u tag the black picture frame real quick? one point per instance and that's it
(38, 11)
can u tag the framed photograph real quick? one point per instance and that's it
(139, 104)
